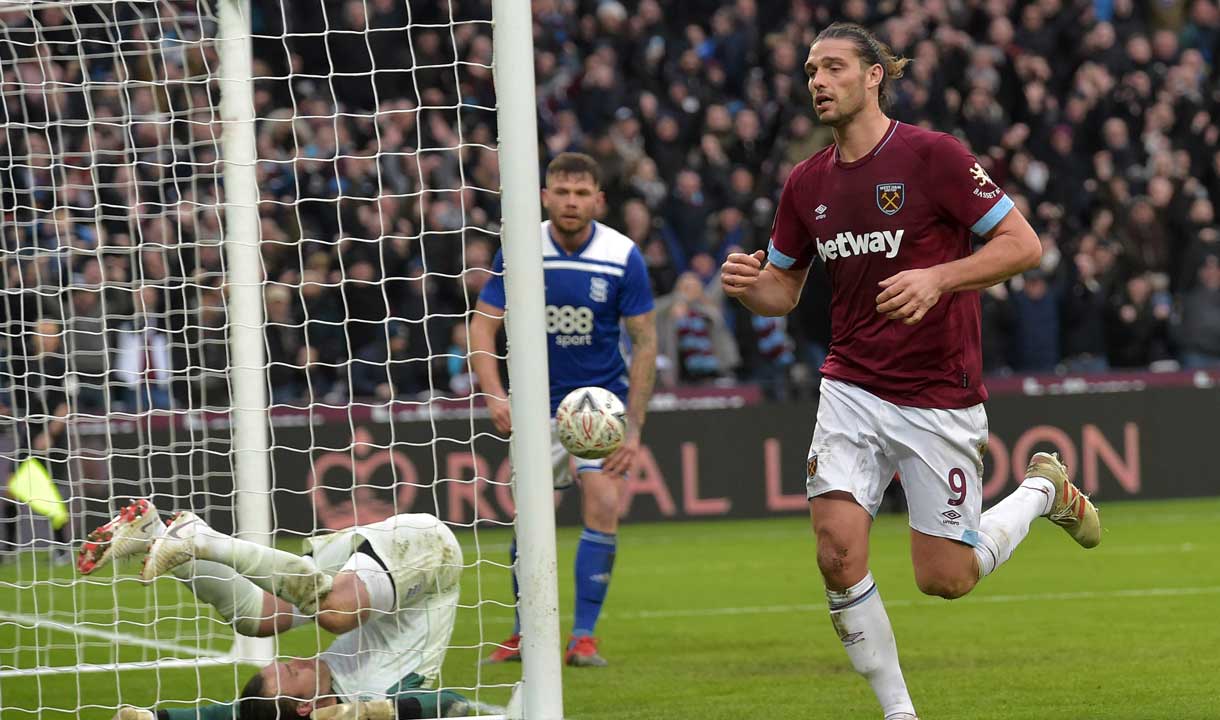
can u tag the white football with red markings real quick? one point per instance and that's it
(591, 422)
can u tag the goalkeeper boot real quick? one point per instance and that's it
(507, 651)
(582, 652)
(175, 546)
(1071, 510)
(128, 533)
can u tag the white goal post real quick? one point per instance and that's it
(242, 257)
(527, 363)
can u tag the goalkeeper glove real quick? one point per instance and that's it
(363, 710)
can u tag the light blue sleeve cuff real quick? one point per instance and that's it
(993, 216)
(782, 261)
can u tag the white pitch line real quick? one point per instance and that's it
(1163, 549)
(36, 622)
(816, 607)
(821, 607)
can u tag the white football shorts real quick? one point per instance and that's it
(565, 466)
(861, 441)
(425, 561)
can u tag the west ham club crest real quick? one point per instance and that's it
(890, 197)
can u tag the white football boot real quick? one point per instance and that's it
(129, 533)
(175, 546)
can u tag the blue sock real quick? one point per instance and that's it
(512, 559)
(594, 562)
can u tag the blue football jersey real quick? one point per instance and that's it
(588, 293)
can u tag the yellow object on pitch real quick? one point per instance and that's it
(32, 484)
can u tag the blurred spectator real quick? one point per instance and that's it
(479, 255)
(142, 360)
(997, 319)
(288, 353)
(645, 183)
(1035, 324)
(364, 302)
(387, 368)
(731, 231)
(638, 224)
(88, 348)
(1084, 315)
(1198, 329)
(212, 384)
(461, 378)
(686, 215)
(1206, 244)
(691, 334)
(809, 324)
(774, 355)
(1138, 325)
(1145, 239)
(664, 146)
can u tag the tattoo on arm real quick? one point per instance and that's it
(642, 329)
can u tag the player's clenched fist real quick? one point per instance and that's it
(740, 272)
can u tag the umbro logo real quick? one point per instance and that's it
(952, 514)
(852, 638)
(820, 212)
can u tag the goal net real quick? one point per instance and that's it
(239, 288)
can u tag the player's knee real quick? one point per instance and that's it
(601, 518)
(946, 585)
(601, 508)
(839, 565)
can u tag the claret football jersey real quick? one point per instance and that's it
(914, 201)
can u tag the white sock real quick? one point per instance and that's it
(1004, 526)
(239, 601)
(283, 574)
(864, 628)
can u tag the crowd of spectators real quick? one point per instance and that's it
(1098, 118)
(378, 179)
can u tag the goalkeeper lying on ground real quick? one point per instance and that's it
(388, 590)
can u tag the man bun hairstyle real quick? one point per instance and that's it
(872, 52)
(575, 163)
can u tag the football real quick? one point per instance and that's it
(591, 422)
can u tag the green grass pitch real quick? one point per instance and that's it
(727, 620)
